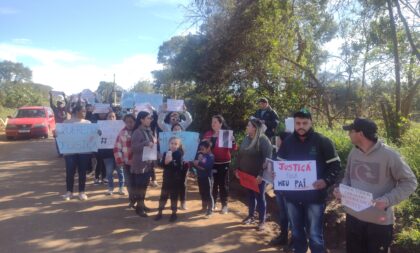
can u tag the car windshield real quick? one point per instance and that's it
(30, 113)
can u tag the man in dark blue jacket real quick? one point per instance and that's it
(306, 208)
(268, 116)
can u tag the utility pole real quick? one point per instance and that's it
(115, 92)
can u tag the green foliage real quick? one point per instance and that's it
(14, 72)
(409, 239)
(14, 95)
(341, 141)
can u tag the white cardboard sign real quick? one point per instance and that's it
(101, 108)
(354, 198)
(294, 175)
(150, 153)
(175, 105)
(225, 139)
(109, 132)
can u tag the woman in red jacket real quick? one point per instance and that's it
(222, 161)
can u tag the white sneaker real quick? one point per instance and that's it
(67, 196)
(83, 196)
(109, 192)
(121, 191)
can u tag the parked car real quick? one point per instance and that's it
(31, 121)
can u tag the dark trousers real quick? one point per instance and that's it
(257, 201)
(100, 170)
(205, 185)
(221, 182)
(128, 179)
(366, 237)
(282, 212)
(81, 162)
(171, 187)
(139, 187)
(183, 186)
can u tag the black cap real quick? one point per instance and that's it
(303, 113)
(262, 100)
(367, 126)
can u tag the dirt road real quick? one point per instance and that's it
(34, 218)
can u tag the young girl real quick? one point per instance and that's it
(204, 165)
(172, 177)
(123, 154)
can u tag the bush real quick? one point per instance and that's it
(341, 141)
(409, 239)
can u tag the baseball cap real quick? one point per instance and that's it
(262, 100)
(367, 126)
(303, 113)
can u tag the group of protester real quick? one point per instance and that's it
(372, 166)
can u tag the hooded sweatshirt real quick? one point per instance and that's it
(382, 172)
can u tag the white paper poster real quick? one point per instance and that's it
(294, 175)
(109, 132)
(150, 153)
(101, 108)
(268, 174)
(225, 139)
(175, 105)
(290, 125)
(77, 138)
(354, 198)
(143, 107)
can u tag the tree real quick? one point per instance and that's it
(144, 86)
(14, 72)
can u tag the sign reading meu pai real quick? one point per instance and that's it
(294, 175)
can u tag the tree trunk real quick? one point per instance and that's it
(397, 65)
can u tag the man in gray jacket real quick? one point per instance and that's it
(376, 168)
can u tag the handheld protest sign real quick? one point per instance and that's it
(101, 108)
(354, 198)
(174, 105)
(77, 138)
(189, 140)
(150, 153)
(109, 132)
(225, 139)
(294, 175)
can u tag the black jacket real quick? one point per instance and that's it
(270, 118)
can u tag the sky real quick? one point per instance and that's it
(72, 45)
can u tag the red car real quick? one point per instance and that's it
(31, 121)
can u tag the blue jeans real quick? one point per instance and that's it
(81, 162)
(110, 166)
(306, 220)
(257, 200)
(283, 219)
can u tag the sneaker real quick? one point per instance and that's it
(224, 210)
(68, 196)
(183, 206)
(248, 220)
(109, 192)
(154, 184)
(132, 204)
(215, 208)
(173, 217)
(105, 181)
(96, 181)
(261, 226)
(121, 191)
(83, 196)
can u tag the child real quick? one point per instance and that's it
(172, 177)
(204, 164)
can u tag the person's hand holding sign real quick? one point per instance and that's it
(319, 184)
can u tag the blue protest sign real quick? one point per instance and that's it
(155, 100)
(73, 138)
(189, 140)
(128, 99)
